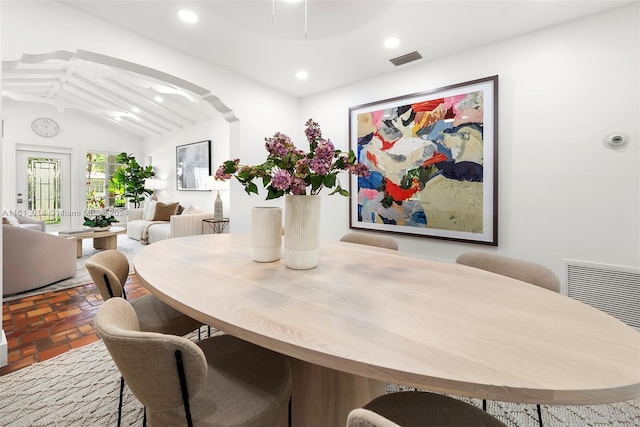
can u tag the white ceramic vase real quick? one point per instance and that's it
(266, 233)
(302, 231)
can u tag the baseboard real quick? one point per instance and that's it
(3, 349)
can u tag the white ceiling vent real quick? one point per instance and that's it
(409, 57)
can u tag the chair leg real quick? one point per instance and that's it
(144, 417)
(539, 415)
(183, 387)
(120, 400)
(484, 405)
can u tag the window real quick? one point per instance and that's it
(103, 190)
(44, 189)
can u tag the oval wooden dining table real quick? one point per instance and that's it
(365, 316)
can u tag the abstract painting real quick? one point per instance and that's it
(433, 162)
(193, 166)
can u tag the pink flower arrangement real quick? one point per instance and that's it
(289, 170)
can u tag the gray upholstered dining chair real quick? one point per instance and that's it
(418, 409)
(371, 240)
(109, 270)
(221, 380)
(526, 271)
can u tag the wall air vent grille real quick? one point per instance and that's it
(409, 57)
(610, 288)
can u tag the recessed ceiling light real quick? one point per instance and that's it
(135, 109)
(392, 42)
(158, 98)
(187, 16)
(302, 75)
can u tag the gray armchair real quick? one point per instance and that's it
(32, 259)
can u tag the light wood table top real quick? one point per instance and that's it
(88, 234)
(383, 315)
(105, 239)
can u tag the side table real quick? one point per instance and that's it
(217, 225)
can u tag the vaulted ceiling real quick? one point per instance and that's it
(144, 102)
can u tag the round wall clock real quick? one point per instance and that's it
(45, 127)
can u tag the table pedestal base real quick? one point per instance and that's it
(324, 397)
(109, 242)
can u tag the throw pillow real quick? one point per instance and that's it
(164, 211)
(179, 210)
(151, 211)
(191, 210)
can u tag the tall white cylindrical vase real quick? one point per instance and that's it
(302, 231)
(266, 233)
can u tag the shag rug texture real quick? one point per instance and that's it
(125, 245)
(81, 388)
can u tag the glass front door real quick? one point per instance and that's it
(43, 187)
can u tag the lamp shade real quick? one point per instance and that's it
(213, 184)
(155, 184)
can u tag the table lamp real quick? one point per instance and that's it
(216, 185)
(155, 184)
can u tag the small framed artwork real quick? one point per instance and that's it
(433, 162)
(193, 166)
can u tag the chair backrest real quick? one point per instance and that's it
(361, 417)
(371, 240)
(109, 270)
(147, 360)
(527, 271)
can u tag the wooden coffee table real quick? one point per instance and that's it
(101, 239)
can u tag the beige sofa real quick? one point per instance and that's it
(153, 231)
(32, 259)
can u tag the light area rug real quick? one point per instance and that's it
(81, 388)
(127, 246)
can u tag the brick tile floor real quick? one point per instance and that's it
(44, 326)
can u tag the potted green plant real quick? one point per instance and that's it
(99, 222)
(132, 175)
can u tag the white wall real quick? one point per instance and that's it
(78, 134)
(562, 194)
(163, 154)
